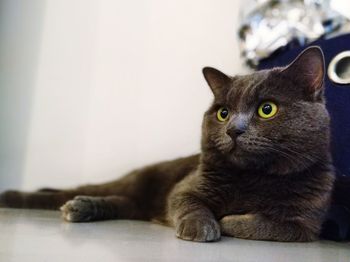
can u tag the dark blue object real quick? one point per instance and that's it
(337, 225)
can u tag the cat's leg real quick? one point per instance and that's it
(198, 224)
(148, 186)
(257, 227)
(89, 208)
(193, 220)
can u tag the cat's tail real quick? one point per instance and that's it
(35, 200)
(337, 224)
(49, 190)
(45, 198)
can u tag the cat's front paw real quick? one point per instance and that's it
(198, 229)
(79, 209)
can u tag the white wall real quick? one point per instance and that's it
(112, 85)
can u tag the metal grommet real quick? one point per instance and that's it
(339, 68)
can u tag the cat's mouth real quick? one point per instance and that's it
(240, 153)
(245, 151)
(240, 147)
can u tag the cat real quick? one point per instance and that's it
(264, 171)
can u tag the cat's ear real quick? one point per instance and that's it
(215, 79)
(308, 70)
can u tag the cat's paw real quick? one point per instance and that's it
(79, 209)
(198, 229)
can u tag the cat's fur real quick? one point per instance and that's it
(272, 180)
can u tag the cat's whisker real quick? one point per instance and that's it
(312, 158)
(294, 159)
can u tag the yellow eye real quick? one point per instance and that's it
(222, 114)
(267, 110)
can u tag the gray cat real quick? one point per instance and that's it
(264, 171)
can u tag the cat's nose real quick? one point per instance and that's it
(235, 132)
(237, 126)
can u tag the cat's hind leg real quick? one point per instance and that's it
(94, 208)
(257, 227)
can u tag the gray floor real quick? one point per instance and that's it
(42, 236)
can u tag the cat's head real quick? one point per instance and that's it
(273, 119)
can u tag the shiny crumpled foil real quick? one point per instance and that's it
(276, 24)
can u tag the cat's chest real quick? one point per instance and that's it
(250, 192)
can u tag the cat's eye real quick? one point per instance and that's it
(222, 114)
(267, 109)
